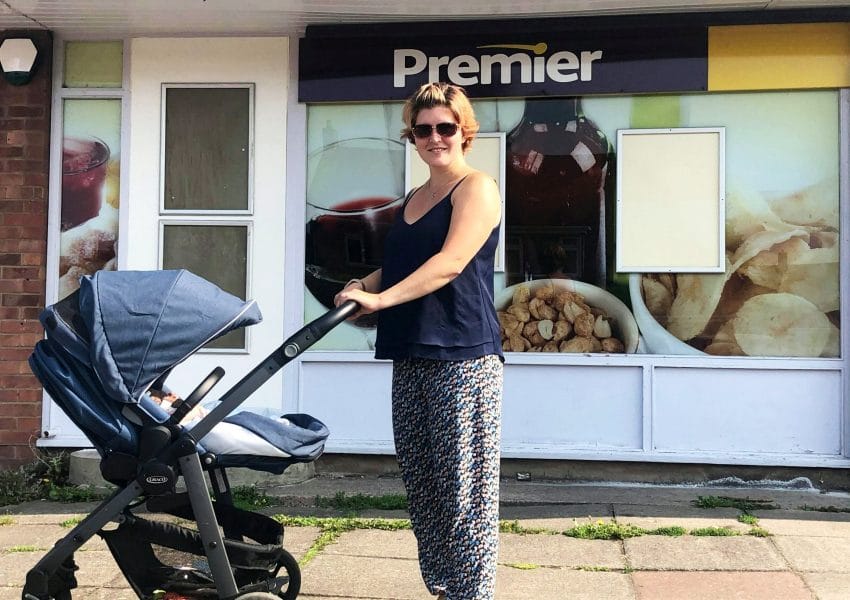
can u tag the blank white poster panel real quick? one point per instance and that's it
(670, 200)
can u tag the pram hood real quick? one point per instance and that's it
(140, 324)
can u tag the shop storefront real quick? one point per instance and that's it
(742, 363)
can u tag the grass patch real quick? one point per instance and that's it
(333, 527)
(24, 549)
(826, 509)
(593, 569)
(604, 530)
(72, 522)
(6, 520)
(758, 532)
(746, 505)
(515, 527)
(670, 530)
(355, 503)
(714, 531)
(248, 497)
(523, 566)
(73, 493)
(748, 519)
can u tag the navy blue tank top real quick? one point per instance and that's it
(455, 322)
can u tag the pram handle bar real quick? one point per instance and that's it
(197, 395)
(297, 343)
(315, 330)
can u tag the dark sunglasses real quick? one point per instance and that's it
(443, 129)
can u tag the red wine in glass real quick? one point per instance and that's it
(344, 242)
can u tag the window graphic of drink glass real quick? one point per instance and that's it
(83, 174)
(354, 189)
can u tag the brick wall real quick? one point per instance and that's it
(24, 163)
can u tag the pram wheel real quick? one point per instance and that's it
(290, 590)
(258, 596)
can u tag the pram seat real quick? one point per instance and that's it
(106, 347)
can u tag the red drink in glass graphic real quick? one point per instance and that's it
(83, 173)
(344, 242)
(355, 189)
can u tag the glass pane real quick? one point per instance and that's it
(90, 186)
(207, 148)
(94, 64)
(218, 253)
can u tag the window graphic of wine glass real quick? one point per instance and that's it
(354, 189)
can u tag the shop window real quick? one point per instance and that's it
(94, 64)
(777, 295)
(207, 142)
(218, 252)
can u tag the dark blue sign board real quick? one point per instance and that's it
(500, 59)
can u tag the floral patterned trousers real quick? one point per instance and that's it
(447, 426)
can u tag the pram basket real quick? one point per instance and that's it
(107, 346)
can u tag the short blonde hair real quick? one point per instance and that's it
(432, 95)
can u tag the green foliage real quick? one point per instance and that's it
(515, 527)
(24, 549)
(748, 519)
(356, 503)
(6, 520)
(523, 566)
(747, 505)
(333, 527)
(72, 522)
(670, 530)
(714, 531)
(827, 509)
(759, 532)
(248, 497)
(604, 530)
(44, 479)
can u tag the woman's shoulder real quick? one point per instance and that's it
(478, 182)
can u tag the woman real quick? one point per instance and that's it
(438, 324)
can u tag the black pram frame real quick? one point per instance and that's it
(237, 568)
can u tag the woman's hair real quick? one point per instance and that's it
(432, 95)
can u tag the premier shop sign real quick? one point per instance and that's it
(374, 63)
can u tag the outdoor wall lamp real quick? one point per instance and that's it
(17, 59)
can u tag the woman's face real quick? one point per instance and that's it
(438, 150)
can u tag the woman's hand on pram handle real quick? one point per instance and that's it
(316, 329)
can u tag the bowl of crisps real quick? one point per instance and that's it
(563, 315)
(656, 338)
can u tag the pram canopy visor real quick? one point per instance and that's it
(140, 324)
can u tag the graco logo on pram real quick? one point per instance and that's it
(156, 479)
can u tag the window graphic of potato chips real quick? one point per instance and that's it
(781, 325)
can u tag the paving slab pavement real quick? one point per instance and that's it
(806, 556)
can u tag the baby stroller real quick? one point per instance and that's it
(107, 345)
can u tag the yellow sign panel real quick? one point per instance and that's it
(770, 57)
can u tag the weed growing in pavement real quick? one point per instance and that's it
(827, 509)
(6, 520)
(746, 505)
(515, 527)
(759, 532)
(523, 566)
(25, 549)
(604, 530)
(248, 497)
(671, 530)
(714, 531)
(72, 522)
(359, 502)
(748, 519)
(333, 527)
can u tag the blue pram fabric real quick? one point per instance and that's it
(108, 346)
(124, 330)
(143, 323)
